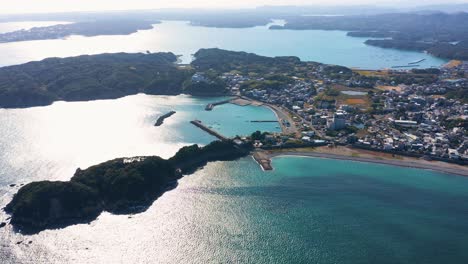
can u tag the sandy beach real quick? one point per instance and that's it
(358, 155)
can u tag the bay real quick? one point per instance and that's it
(305, 211)
(330, 47)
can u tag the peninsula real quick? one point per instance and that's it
(102, 76)
(117, 186)
(440, 34)
(87, 28)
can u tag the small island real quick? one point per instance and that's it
(161, 119)
(118, 186)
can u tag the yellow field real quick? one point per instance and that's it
(368, 73)
(355, 101)
(453, 64)
(389, 88)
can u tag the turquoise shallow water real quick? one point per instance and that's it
(332, 47)
(305, 211)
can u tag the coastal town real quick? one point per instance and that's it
(414, 119)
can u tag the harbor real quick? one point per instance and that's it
(210, 131)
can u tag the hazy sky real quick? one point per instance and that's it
(33, 6)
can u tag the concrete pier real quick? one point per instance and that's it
(210, 107)
(263, 160)
(210, 131)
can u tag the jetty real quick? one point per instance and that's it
(263, 160)
(264, 121)
(160, 120)
(210, 131)
(210, 106)
(416, 62)
(239, 100)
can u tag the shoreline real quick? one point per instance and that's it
(436, 166)
(280, 114)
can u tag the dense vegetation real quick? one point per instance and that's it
(210, 88)
(432, 32)
(271, 72)
(460, 94)
(225, 61)
(109, 76)
(115, 186)
(188, 158)
(104, 76)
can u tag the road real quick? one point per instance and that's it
(283, 114)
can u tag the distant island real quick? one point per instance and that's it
(117, 186)
(88, 29)
(442, 35)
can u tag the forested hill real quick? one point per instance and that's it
(89, 77)
(224, 61)
(110, 76)
(117, 186)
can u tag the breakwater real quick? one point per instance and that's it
(210, 131)
(210, 107)
(161, 119)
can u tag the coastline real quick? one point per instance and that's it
(279, 113)
(367, 157)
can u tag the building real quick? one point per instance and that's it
(337, 122)
(406, 123)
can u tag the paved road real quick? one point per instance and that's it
(283, 114)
